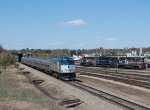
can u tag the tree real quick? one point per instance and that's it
(1, 49)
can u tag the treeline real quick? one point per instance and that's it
(6, 58)
(70, 52)
(48, 53)
(1, 49)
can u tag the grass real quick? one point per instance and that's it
(5, 60)
(3, 93)
(12, 90)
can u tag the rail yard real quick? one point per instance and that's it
(74, 55)
(95, 88)
(73, 86)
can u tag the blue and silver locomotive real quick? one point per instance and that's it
(61, 67)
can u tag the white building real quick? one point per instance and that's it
(131, 54)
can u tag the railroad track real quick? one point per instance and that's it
(137, 80)
(117, 72)
(117, 100)
(114, 99)
(115, 69)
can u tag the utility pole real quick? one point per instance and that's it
(104, 52)
(146, 62)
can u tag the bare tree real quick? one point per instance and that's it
(1, 48)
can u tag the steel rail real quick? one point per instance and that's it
(117, 100)
(124, 79)
(128, 75)
(114, 69)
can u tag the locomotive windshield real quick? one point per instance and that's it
(68, 61)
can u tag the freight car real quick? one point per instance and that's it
(62, 67)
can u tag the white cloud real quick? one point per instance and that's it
(110, 39)
(56, 42)
(76, 22)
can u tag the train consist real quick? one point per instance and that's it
(62, 67)
(88, 61)
(122, 62)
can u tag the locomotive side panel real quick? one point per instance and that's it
(55, 67)
(88, 61)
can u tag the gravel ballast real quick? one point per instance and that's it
(59, 90)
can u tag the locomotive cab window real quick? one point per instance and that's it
(67, 62)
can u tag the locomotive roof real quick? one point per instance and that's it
(45, 61)
(48, 61)
(60, 58)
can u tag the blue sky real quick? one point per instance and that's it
(74, 24)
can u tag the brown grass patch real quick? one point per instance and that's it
(21, 105)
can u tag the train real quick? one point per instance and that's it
(131, 63)
(88, 61)
(60, 67)
(107, 61)
(114, 62)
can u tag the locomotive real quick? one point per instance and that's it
(131, 62)
(61, 67)
(115, 62)
(88, 61)
(107, 61)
